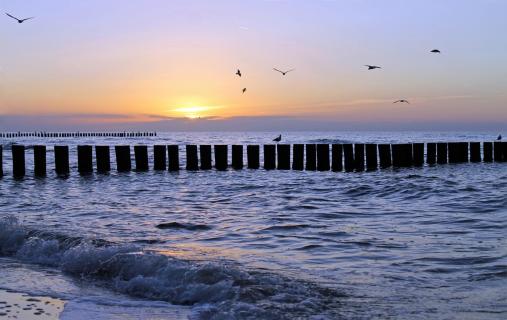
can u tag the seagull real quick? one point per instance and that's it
(244, 90)
(435, 51)
(18, 20)
(238, 73)
(401, 101)
(372, 67)
(499, 137)
(278, 139)
(283, 72)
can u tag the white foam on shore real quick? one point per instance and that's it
(214, 290)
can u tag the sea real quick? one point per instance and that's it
(413, 243)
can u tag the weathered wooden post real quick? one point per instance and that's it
(103, 158)
(504, 151)
(192, 159)
(39, 161)
(123, 161)
(371, 157)
(283, 154)
(174, 157)
(337, 157)
(497, 151)
(418, 154)
(269, 156)
(221, 157)
(348, 156)
(237, 157)
(311, 157)
(18, 160)
(323, 157)
(84, 159)
(441, 152)
(62, 160)
(488, 151)
(475, 151)
(462, 148)
(205, 153)
(359, 156)
(1, 161)
(159, 157)
(431, 153)
(141, 157)
(298, 157)
(253, 156)
(402, 155)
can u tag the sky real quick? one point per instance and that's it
(171, 64)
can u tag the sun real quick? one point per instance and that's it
(193, 111)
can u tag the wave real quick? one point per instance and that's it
(214, 290)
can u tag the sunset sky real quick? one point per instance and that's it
(166, 63)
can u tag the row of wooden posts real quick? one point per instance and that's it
(321, 157)
(42, 134)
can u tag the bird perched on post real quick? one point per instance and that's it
(372, 67)
(499, 137)
(401, 101)
(238, 73)
(278, 139)
(18, 20)
(435, 51)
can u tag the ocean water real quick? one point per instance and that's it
(416, 243)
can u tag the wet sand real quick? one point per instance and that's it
(15, 305)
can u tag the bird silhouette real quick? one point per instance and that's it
(238, 73)
(499, 137)
(244, 90)
(283, 72)
(18, 20)
(372, 67)
(278, 139)
(435, 51)
(401, 101)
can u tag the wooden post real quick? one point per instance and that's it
(1, 160)
(39, 161)
(462, 148)
(159, 157)
(323, 157)
(298, 157)
(497, 151)
(311, 157)
(337, 157)
(504, 151)
(62, 160)
(418, 154)
(402, 155)
(192, 159)
(371, 157)
(283, 155)
(441, 153)
(84, 159)
(18, 160)
(359, 157)
(253, 156)
(488, 151)
(174, 157)
(205, 153)
(269, 156)
(237, 157)
(123, 162)
(141, 157)
(475, 151)
(103, 158)
(221, 157)
(431, 153)
(348, 156)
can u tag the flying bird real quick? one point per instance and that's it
(283, 72)
(278, 139)
(372, 67)
(435, 51)
(238, 73)
(18, 20)
(244, 90)
(499, 137)
(401, 101)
